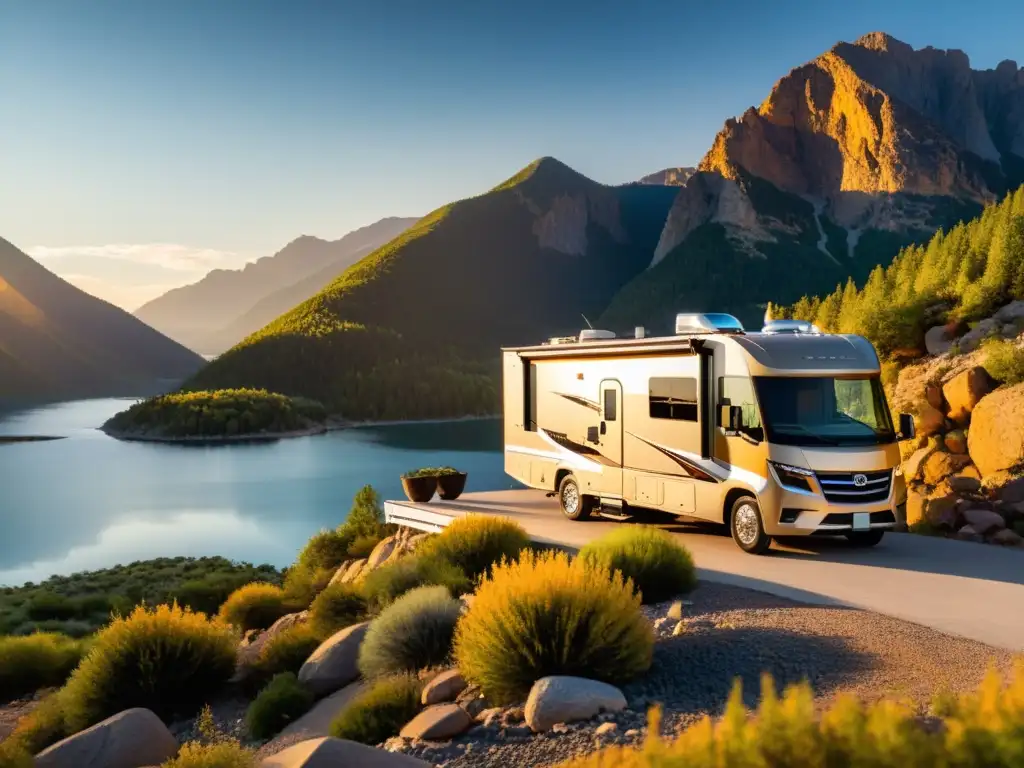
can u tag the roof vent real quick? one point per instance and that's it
(711, 322)
(595, 334)
(562, 340)
(790, 326)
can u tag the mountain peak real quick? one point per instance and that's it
(545, 171)
(881, 41)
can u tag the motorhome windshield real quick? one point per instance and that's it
(824, 410)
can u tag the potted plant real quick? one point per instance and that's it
(420, 484)
(450, 483)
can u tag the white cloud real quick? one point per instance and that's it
(127, 296)
(180, 258)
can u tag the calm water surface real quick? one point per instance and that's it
(89, 501)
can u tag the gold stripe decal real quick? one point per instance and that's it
(693, 469)
(580, 401)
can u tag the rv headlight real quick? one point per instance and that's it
(795, 478)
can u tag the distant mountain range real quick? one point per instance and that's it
(224, 307)
(57, 342)
(412, 330)
(869, 147)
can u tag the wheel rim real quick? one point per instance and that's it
(570, 499)
(747, 528)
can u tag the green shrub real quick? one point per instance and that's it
(302, 584)
(431, 472)
(222, 754)
(363, 546)
(255, 606)
(50, 605)
(337, 607)
(36, 661)
(985, 728)
(385, 584)
(379, 712)
(366, 517)
(325, 550)
(13, 755)
(208, 594)
(280, 703)
(658, 565)
(287, 651)
(168, 659)
(549, 615)
(476, 542)
(1004, 361)
(413, 632)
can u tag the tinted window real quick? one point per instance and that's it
(739, 390)
(610, 402)
(673, 399)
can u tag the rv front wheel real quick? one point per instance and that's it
(575, 505)
(747, 527)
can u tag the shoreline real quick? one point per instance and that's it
(11, 439)
(267, 437)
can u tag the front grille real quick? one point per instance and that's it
(839, 487)
(846, 518)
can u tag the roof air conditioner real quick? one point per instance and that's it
(594, 334)
(710, 322)
(790, 326)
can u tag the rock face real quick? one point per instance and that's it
(381, 552)
(333, 664)
(248, 654)
(334, 753)
(130, 739)
(441, 721)
(996, 436)
(876, 117)
(563, 699)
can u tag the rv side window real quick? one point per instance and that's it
(739, 390)
(530, 397)
(673, 399)
(609, 405)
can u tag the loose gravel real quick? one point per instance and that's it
(730, 632)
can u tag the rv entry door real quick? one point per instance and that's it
(611, 438)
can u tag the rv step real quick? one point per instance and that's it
(613, 513)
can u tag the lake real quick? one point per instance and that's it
(89, 501)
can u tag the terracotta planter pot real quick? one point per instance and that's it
(450, 487)
(419, 488)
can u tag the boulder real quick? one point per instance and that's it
(956, 441)
(984, 521)
(1012, 492)
(930, 420)
(964, 391)
(996, 438)
(563, 699)
(937, 467)
(473, 701)
(971, 340)
(441, 721)
(414, 541)
(381, 552)
(605, 729)
(1011, 312)
(354, 571)
(316, 723)
(335, 753)
(936, 340)
(912, 466)
(940, 510)
(445, 687)
(675, 611)
(1007, 538)
(967, 533)
(130, 739)
(915, 507)
(333, 664)
(967, 480)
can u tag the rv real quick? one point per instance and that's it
(783, 432)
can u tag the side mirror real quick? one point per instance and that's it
(907, 431)
(592, 435)
(731, 419)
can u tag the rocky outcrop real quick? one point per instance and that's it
(672, 177)
(996, 437)
(333, 664)
(964, 391)
(130, 739)
(562, 699)
(875, 118)
(333, 753)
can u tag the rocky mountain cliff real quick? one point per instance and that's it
(869, 147)
(57, 342)
(675, 177)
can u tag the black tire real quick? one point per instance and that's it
(748, 530)
(866, 538)
(575, 505)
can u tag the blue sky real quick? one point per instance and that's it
(142, 143)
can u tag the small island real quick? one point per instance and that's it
(224, 415)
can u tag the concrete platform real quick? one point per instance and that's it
(971, 590)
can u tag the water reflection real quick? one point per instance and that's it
(93, 498)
